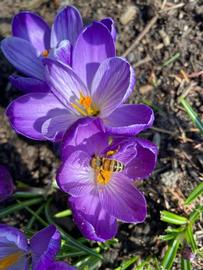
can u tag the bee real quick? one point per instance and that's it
(106, 164)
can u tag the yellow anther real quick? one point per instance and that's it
(85, 106)
(103, 177)
(45, 53)
(10, 260)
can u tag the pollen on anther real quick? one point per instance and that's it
(45, 53)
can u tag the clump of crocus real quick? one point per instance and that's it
(6, 183)
(99, 172)
(16, 252)
(33, 40)
(96, 86)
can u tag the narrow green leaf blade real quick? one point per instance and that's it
(195, 215)
(170, 255)
(190, 238)
(63, 214)
(17, 207)
(127, 263)
(173, 218)
(192, 114)
(195, 193)
(185, 264)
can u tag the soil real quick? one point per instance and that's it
(177, 31)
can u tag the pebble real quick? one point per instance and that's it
(170, 178)
(165, 37)
(145, 89)
(129, 15)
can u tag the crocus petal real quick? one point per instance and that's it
(22, 55)
(110, 84)
(92, 47)
(129, 119)
(122, 200)
(86, 135)
(145, 160)
(44, 246)
(67, 25)
(33, 28)
(93, 221)
(75, 175)
(109, 23)
(6, 183)
(28, 113)
(59, 265)
(56, 125)
(64, 82)
(13, 248)
(131, 85)
(27, 84)
(62, 52)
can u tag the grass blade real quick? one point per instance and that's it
(195, 193)
(192, 114)
(185, 264)
(173, 218)
(170, 255)
(17, 207)
(127, 263)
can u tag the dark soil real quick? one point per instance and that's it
(180, 162)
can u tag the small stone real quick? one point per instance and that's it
(170, 178)
(145, 89)
(129, 15)
(165, 37)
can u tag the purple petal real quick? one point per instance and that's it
(145, 160)
(44, 246)
(109, 23)
(13, 243)
(93, 221)
(22, 55)
(6, 183)
(33, 28)
(129, 119)
(28, 85)
(87, 134)
(67, 25)
(75, 176)
(64, 82)
(122, 200)
(62, 52)
(59, 266)
(131, 85)
(28, 113)
(110, 84)
(92, 47)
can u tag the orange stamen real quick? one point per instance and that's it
(10, 260)
(103, 177)
(45, 53)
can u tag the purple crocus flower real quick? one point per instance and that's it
(33, 40)
(6, 183)
(98, 172)
(16, 252)
(96, 86)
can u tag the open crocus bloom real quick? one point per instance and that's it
(16, 252)
(6, 183)
(33, 40)
(96, 86)
(98, 171)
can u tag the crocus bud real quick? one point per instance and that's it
(188, 254)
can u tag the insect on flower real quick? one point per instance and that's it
(106, 164)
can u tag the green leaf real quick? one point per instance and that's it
(173, 218)
(172, 59)
(174, 230)
(127, 263)
(62, 214)
(17, 207)
(192, 114)
(67, 237)
(168, 237)
(170, 255)
(34, 214)
(195, 193)
(190, 238)
(195, 215)
(185, 264)
(88, 263)
(32, 220)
